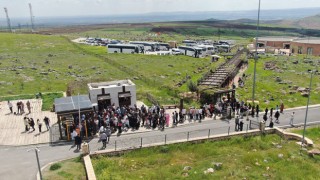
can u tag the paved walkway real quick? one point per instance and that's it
(12, 129)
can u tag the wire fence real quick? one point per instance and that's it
(124, 143)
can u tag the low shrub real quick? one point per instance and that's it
(55, 166)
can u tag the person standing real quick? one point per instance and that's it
(10, 106)
(241, 125)
(281, 108)
(39, 125)
(265, 117)
(237, 121)
(173, 119)
(252, 111)
(291, 119)
(119, 124)
(271, 112)
(257, 110)
(266, 111)
(271, 124)
(22, 107)
(31, 123)
(108, 133)
(28, 106)
(78, 141)
(26, 124)
(18, 107)
(277, 115)
(103, 138)
(47, 122)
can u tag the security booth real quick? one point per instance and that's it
(71, 111)
(225, 98)
(117, 93)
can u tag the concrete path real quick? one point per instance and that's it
(12, 129)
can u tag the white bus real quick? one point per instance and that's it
(148, 46)
(207, 49)
(191, 51)
(123, 48)
(159, 53)
(223, 48)
(189, 42)
(164, 46)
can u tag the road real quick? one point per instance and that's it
(17, 163)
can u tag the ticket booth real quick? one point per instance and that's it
(70, 111)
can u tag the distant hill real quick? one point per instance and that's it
(311, 22)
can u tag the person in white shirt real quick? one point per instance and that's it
(74, 134)
(10, 106)
(291, 119)
(102, 129)
(26, 124)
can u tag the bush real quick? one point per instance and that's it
(164, 149)
(192, 86)
(55, 166)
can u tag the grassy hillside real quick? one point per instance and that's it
(36, 63)
(290, 74)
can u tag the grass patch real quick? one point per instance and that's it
(69, 169)
(48, 100)
(17, 97)
(250, 158)
(55, 166)
(312, 133)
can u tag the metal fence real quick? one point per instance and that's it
(126, 142)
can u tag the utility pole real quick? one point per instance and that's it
(36, 149)
(8, 19)
(256, 57)
(31, 18)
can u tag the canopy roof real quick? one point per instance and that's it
(72, 104)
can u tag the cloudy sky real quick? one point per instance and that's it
(19, 8)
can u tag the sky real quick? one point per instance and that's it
(55, 8)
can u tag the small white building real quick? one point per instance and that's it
(119, 93)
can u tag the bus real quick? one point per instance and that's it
(148, 46)
(223, 48)
(123, 48)
(191, 51)
(207, 49)
(164, 46)
(189, 42)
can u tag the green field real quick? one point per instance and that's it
(32, 63)
(242, 158)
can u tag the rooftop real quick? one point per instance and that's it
(72, 104)
(308, 40)
(276, 38)
(111, 84)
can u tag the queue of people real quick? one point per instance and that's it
(29, 124)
